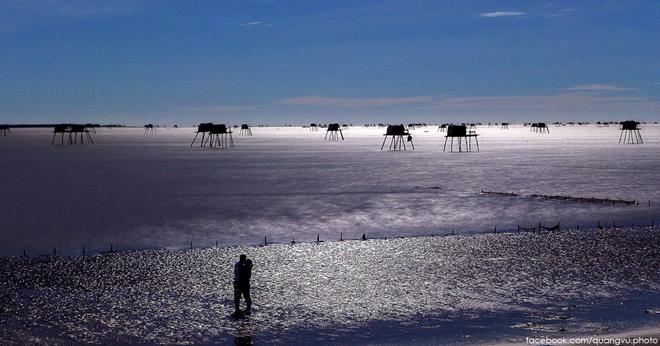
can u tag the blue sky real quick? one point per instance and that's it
(319, 61)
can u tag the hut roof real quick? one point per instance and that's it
(396, 130)
(456, 131)
(629, 125)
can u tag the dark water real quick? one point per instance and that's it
(435, 290)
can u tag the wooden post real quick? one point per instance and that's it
(495, 229)
(190, 245)
(452, 232)
(111, 248)
(83, 251)
(341, 236)
(24, 253)
(54, 251)
(216, 243)
(265, 241)
(578, 227)
(317, 238)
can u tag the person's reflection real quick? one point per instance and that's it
(243, 332)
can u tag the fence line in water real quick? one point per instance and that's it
(518, 229)
(564, 198)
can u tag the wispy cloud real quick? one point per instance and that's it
(598, 87)
(216, 109)
(559, 103)
(502, 14)
(353, 103)
(252, 23)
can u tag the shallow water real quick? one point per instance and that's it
(463, 289)
(137, 191)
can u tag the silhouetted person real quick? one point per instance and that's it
(242, 274)
(244, 283)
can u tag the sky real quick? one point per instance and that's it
(277, 62)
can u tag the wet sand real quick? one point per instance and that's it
(426, 290)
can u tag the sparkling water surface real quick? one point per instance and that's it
(434, 290)
(155, 191)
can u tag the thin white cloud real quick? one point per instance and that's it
(216, 109)
(564, 102)
(502, 14)
(251, 23)
(598, 87)
(353, 103)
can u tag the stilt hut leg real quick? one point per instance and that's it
(444, 148)
(476, 141)
(194, 139)
(342, 135)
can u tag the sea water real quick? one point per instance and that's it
(138, 191)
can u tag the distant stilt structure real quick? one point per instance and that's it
(539, 128)
(463, 135)
(313, 127)
(149, 129)
(61, 129)
(4, 129)
(74, 131)
(82, 132)
(220, 136)
(202, 128)
(397, 141)
(334, 133)
(505, 126)
(630, 133)
(442, 128)
(245, 130)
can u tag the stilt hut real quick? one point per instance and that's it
(539, 128)
(82, 132)
(149, 129)
(76, 133)
(505, 126)
(442, 128)
(202, 128)
(334, 132)
(60, 129)
(630, 133)
(396, 133)
(245, 130)
(220, 136)
(313, 127)
(461, 133)
(4, 129)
